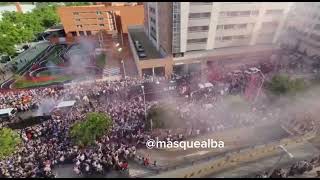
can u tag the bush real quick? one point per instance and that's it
(281, 85)
(93, 127)
(101, 60)
(9, 140)
(163, 116)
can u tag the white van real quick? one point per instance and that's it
(7, 113)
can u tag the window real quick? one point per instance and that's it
(255, 13)
(235, 13)
(199, 15)
(88, 33)
(242, 26)
(153, 10)
(198, 28)
(73, 33)
(274, 11)
(81, 33)
(317, 27)
(75, 13)
(101, 25)
(152, 20)
(200, 3)
(100, 19)
(226, 38)
(202, 40)
(79, 26)
(269, 24)
(241, 37)
(219, 27)
(218, 38)
(315, 37)
(229, 26)
(244, 13)
(99, 12)
(77, 19)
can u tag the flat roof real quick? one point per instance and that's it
(138, 34)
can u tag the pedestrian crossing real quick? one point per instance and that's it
(115, 71)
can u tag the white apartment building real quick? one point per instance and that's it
(212, 25)
(302, 29)
(199, 30)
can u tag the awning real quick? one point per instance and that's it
(65, 104)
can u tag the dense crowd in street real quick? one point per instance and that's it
(298, 168)
(48, 144)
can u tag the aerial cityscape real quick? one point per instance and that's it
(159, 89)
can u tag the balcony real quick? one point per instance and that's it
(199, 22)
(196, 46)
(200, 8)
(197, 35)
(231, 43)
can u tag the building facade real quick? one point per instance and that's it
(302, 29)
(87, 20)
(194, 33)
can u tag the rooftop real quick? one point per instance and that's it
(138, 34)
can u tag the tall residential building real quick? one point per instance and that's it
(303, 28)
(198, 32)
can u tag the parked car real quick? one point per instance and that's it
(142, 55)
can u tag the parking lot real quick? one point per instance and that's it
(150, 50)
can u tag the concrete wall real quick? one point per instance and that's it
(165, 27)
(130, 15)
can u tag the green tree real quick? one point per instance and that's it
(93, 127)
(163, 116)
(101, 60)
(77, 3)
(9, 141)
(17, 28)
(282, 85)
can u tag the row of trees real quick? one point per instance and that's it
(84, 133)
(17, 28)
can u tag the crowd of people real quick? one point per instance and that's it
(298, 168)
(48, 144)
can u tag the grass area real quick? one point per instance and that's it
(101, 61)
(23, 83)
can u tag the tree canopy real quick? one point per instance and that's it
(163, 116)
(17, 28)
(9, 140)
(93, 127)
(282, 84)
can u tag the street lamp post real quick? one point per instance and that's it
(276, 164)
(145, 108)
(124, 69)
(122, 60)
(263, 79)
